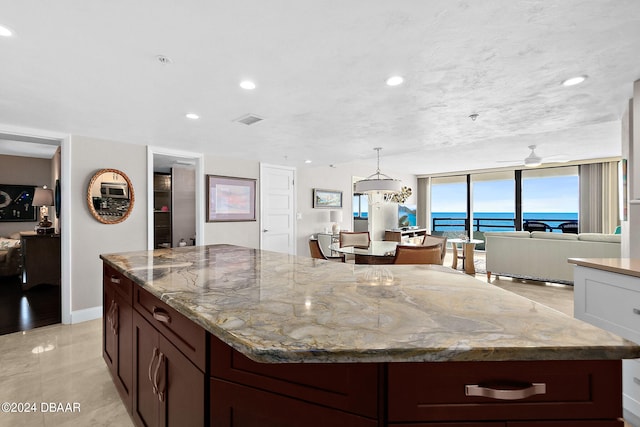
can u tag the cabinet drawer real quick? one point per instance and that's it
(575, 390)
(187, 336)
(237, 405)
(351, 387)
(631, 378)
(608, 300)
(118, 282)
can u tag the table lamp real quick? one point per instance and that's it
(335, 217)
(43, 197)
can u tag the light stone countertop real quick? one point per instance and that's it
(279, 308)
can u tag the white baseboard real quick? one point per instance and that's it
(86, 314)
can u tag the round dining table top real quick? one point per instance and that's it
(375, 248)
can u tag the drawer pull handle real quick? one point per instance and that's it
(156, 378)
(115, 279)
(111, 317)
(153, 357)
(161, 315)
(636, 380)
(509, 394)
(115, 318)
(160, 369)
(636, 311)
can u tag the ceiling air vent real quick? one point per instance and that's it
(249, 119)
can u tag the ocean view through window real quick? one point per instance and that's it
(548, 196)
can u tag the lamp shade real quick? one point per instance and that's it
(335, 216)
(42, 197)
(378, 185)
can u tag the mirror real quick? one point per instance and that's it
(110, 196)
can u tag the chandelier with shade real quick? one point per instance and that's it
(378, 187)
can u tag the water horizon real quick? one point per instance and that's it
(497, 221)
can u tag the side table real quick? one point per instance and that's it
(41, 259)
(468, 248)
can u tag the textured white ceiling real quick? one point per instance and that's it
(90, 68)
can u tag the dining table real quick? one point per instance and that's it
(377, 252)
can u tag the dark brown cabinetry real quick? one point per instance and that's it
(162, 210)
(40, 259)
(168, 389)
(117, 330)
(345, 393)
(440, 392)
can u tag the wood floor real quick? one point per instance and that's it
(23, 310)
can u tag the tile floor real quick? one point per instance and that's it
(60, 364)
(63, 364)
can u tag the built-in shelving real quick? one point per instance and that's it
(162, 210)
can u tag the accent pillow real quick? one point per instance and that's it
(8, 243)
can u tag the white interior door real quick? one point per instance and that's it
(277, 209)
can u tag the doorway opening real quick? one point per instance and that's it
(176, 213)
(31, 285)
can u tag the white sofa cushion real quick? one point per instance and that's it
(524, 234)
(598, 237)
(553, 236)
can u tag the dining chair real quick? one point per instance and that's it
(354, 238)
(430, 240)
(316, 252)
(393, 236)
(418, 254)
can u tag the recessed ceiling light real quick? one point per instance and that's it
(164, 60)
(5, 32)
(307, 161)
(247, 84)
(574, 81)
(192, 116)
(395, 80)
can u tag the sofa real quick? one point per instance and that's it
(10, 256)
(540, 255)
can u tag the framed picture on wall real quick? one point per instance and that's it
(230, 199)
(16, 203)
(329, 199)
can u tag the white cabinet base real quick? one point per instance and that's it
(611, 301)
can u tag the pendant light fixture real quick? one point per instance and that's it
(379, 187)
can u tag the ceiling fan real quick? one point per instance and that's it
(533, 160)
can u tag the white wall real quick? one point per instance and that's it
(90, 238)
(339, 178)
(246, 233)
(633, 237)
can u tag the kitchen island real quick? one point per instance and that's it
(223, 335)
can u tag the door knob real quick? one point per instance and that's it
(265, 230)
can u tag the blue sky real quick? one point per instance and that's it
(552, 194)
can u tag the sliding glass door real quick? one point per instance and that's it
(449, 205)
(494, 205)
(550, 199)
